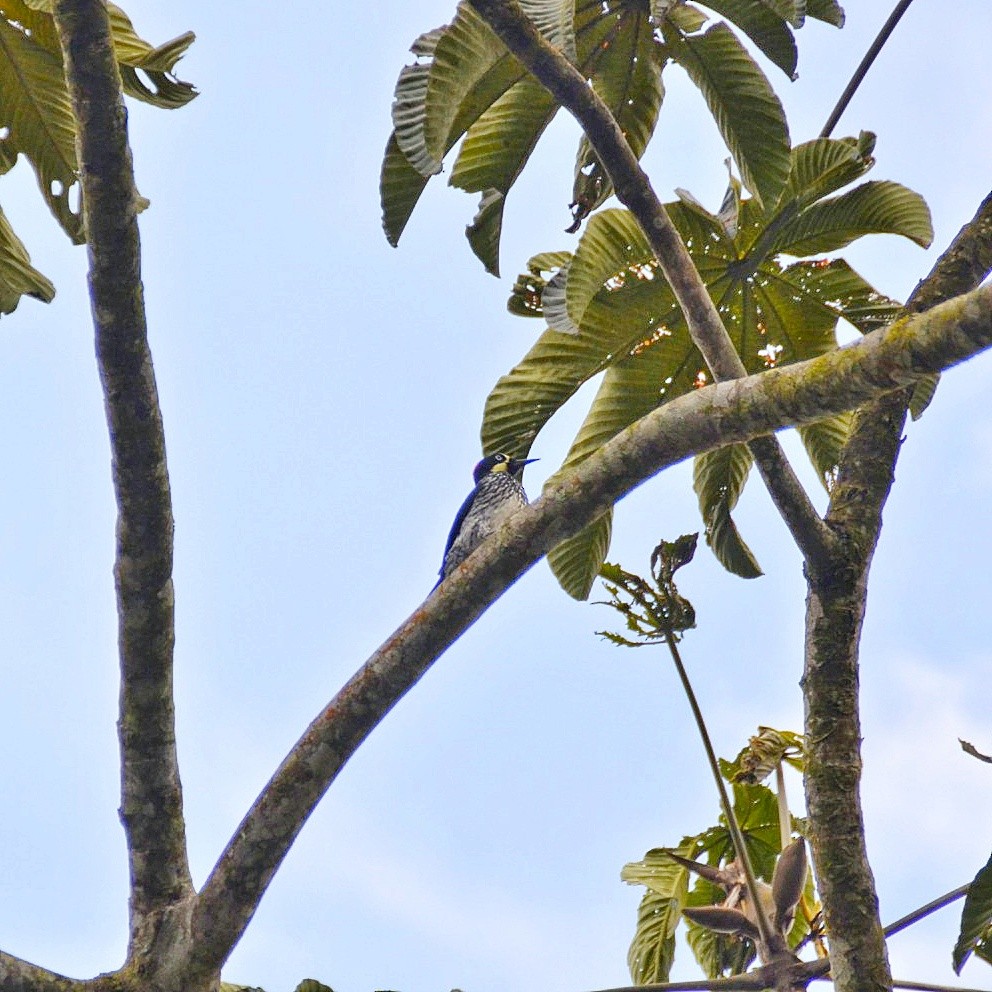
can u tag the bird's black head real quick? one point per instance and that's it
(500, 463)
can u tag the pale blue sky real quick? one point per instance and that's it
(322, 395)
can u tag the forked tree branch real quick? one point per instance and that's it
(633, 189)
(151, 796)
(705, 419)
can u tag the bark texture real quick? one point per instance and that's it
(836, 607)
(151, 795)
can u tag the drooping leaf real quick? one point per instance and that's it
(400, 183)
(768, 30)
(148, 72)
(18, 277)
(718, 478)
(466, 50)
(35, 108)
(410, 105)
(653, 948)
(824, 441)
(923, 393)
(829, 11)
(976, 918)
(555, 20)
(629, 83)
(743, 104)
(400, 186)
(576, 561)
(483, 232)
(495, 149)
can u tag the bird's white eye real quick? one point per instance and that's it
(502, 458)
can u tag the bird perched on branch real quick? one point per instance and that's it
(498, 492)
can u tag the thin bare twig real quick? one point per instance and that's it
(862, 70)
(931, 907)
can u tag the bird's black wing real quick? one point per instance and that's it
(457, 526)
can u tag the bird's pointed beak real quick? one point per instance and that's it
(517, 464)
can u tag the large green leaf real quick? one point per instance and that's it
(629, 83)
(873, 208)
(400, 183)
(18, 277)
(768, 30)
(555, 20)
(653, 948)
(618, 47)
(829, 11)
(36, 116)
(576, 562)
(463, 55)
(824, 441)
(718, 478)
(609, 308)
(824, 165)
(148, 72)
(976, 919)
(743, 104)
(35, 108)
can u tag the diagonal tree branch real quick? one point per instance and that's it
(151, 803)
(706, 419)
(20, 976)
(835, 613)
(633, 188)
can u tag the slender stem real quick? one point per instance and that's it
(151, 800)
(760, 978)
(764, 926)
(898, 983)
(931, 907)
(862, 69)
(784, 822)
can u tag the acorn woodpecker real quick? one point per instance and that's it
(497, 494)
